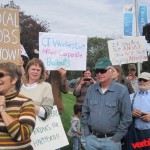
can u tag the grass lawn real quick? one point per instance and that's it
(69, 101)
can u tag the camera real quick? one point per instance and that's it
(87, 79)
(142, 114)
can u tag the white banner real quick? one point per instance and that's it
(127, 50)
(128, 11)
(63, 50)
(49, 134)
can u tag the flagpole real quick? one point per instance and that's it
(137, 32)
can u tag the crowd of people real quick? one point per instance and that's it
(102, 111)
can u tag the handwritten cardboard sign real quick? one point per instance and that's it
(63, 50)
(49, 134)
(9, 35)
(127, 50)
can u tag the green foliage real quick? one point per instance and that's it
(145, 65)
(29, 32)
(73, 74)
(97, 48)
(69, 101)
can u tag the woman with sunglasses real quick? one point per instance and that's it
(118, 76)
(17, 115)
(35, 87)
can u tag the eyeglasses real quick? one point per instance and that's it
(2, 74)
(144, 80)
(102, 71)
(132, 69)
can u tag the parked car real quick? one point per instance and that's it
(72, 83)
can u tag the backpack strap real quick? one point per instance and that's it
(133, 99)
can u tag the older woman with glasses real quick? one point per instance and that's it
(17, 116)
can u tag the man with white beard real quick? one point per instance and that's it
(141, 109)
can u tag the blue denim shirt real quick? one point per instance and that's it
(109, 112)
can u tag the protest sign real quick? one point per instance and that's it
(63, 50)
(9, 35)
(49, 134)
(127, 50)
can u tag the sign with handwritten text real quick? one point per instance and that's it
(9, 35)
(63, 50)
(49, 134)
(127, 50)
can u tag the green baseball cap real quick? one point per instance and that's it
(102, 63)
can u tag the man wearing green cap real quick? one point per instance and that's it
(106, 110)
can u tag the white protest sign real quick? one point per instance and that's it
(23, 51)
(63, 50)
(49, 134)
(128, 50)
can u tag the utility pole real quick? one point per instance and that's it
(137, 32)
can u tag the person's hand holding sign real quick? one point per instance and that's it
(20, 63)
(63, 72)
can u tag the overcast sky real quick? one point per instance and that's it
(101, 18)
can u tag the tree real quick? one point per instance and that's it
(145, 65)
(29, 29)
(97, 48)
(29, 32)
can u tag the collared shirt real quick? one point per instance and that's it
(108, 112)
(142, 102)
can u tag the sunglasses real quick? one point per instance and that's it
(144, 80)
(2, 74)
(102, 71)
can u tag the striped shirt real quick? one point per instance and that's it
(17, 134)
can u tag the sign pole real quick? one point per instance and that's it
(137, 32)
